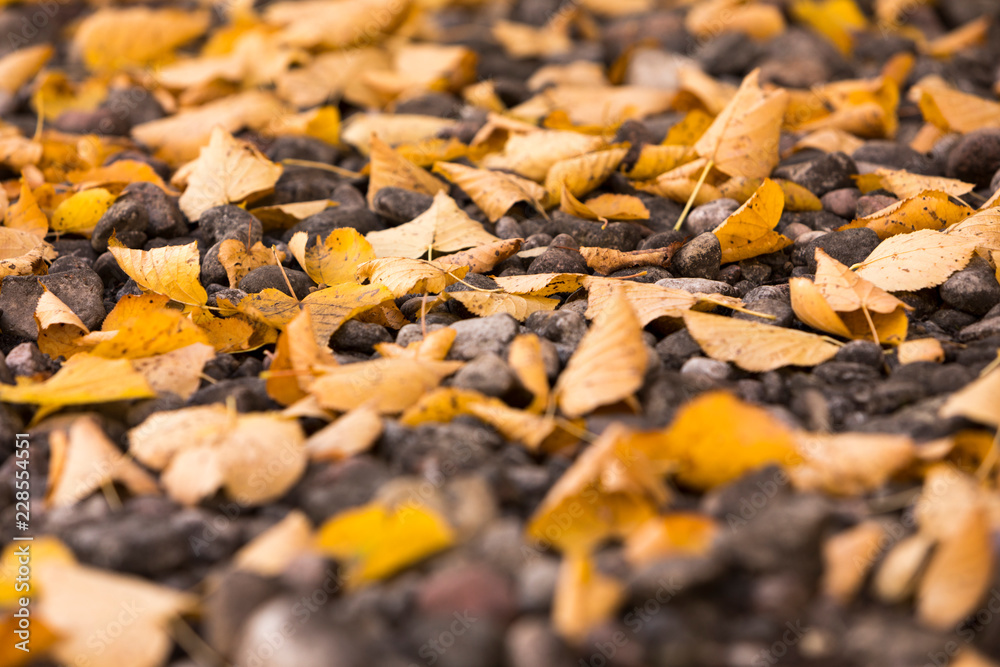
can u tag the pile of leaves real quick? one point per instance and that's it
(531, 333)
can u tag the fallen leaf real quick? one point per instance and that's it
(336, 24)
(981, 228)
(649, 301)
(579, 175)
(756, 347)
(80, 213)
(178, 371)
(531, 154)
(583, 598)
(116, 175)
(391, 129)
(391, 384)
(849, 464)
(525, 357)
(403, 276)
(749, 231)
(390, 170)
(899, 572)
(923, 349)
(375, 542)
(24, 214)
(59, 328)
(837, 20)
(743, 138)
(905, 184)
(952, 110)
(256, 458)
(283, 216)
(336, 259)
(296, 354)
(483, 258)
(112, 38)
(796, 197)
(542, 284)
(19, 67)
(609, 260)
(238, 261)
(82, 379)
(847, 560)
(655, 160)
(227, 171)
(522, 41)
(717, 438)
(910, 262)
(927, 210)
(353, 433)
(433, 347)
(673, 535)
(442, 228)
(978, 401)
(84, 459)
(596, 105)
(604, 207)
(173, 271)
(493, 192)
(270, 553)
(608, 365)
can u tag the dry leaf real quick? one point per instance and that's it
(270, 553)
(982, 228)
(114, 38)
(716, 438)
(518, 306)
(830, 140)
(403, 276)
(609, 260)
(82, 379)
(756, 347)
(910, 262)
(796, 197)
(676, 534)
(524, 355)
(483, 258)
(749, 231)
(923, 349)
(336, 24)
(604, 207)
(584, 598)
(392, 129)
(25, 215)
(336, 259)
(596, 105)
(80, 213)
(649, 301)
(743, 139)
(655, 160)
(390, 170)
(283, 216)
(116, 175)
(296, 354)
(608, 365)
(531, 154)
(978, 401)
(59, 328)
(238, 261)
(847, 561)
(351, 434)
(442, 228)
(840, 302)
(927, 210)
(227, 171)
(178, 371)
(434, 347)
(374, 541)
(493, 192)
(760, 21)
(899, 572)
(173, 271)
(849, 464)
(579, 175)
(521, 41)
(392, 385)
(952, 110)
(256, 458)
(84, 460)
(904, 184)
(542, 284)
(19, 67)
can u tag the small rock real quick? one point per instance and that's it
(676, 349)
(127, 220)
(984, 329)
(400, 205)
(873, 203)
(559, 257)
(661, 240)
(508, 228)
(699, 258)
(840, 373)
(273, 276)
(617, 235)
(950, 320)
(539, 240)
(108, 270)
(248, 394)
(973, 290)
(475, 589)
(975, 157)
(531, 642)
(848, 247)
(730, 54)
(559, 326)
(299, 147)
(479, 336)
(536, 584)
(80, 248)
(165, 219)
(212, 270)
(708, 216)
(717, 371)
(863, 352)
(442, 105)
(314, 642)
(818, 220)
(230, 222)
(357, 336)
(842, 202)
(330, 489)
(80, 289)
(698, 285)
(830, 172)
(336, 217)
(894, 155)
(770, 299)
(70, 263)
(27, 360)
(233, 599)
(488, 374)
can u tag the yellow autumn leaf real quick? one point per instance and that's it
(749, 231)
(981, 228)
(604, 207)
(178, 371)
(238, 261)
(675, 534)
(837, 20)
(926, 210)
(796, 197)
(524, 355)
(849, 464)
(743, 138)
(442, 228)
(493, 192)
(483, 258)
(156, 331)
(84, 459)
(391, 384)
(910, 262)
(978, 401)
(756, 347)
(173, 271)
(596, 104)
(227, 170)
(609, 260)
(59, 329)
(283, 216)
(608, 365)
(905, 184)
(25, 215)
(391, 170)
(655, 160)
(111, 38)
(518, 306)
(82, 379)
(205, 448)
(19, 67)
(584, 598)
(579, 175)
(761, 21)
(80, 213)
(336, 24)
(923, 349)
(403, 276)
(115, 175)
(531, 154)
(355, 432)
(847, 561)
(375, 541)
(522, 41)
(433, 347)
(335, 259)
(542, 284)
(952, 110)
(717, 438)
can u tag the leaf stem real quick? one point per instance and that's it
(694, 194)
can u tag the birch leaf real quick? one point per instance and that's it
(910, 262)
(749, 231)
(442, 228)
(494, 192)
(390, 170)
(173, 271)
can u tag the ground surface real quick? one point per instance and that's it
(431, 402)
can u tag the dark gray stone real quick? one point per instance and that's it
(479, 336)
(769, 299)
(973, 290)
(976, 157)
(561, 256)
(400, 205)
(127, 220)
(165, 219)
(848, 247)
(699, 257)
(230, 222)
(708, 216)
(356, 336)
(894, 155)
(488, 374)
(558, 326)
(274, 276)
(864, 352)
(336, 217)
(80, 289)
(830, 172)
